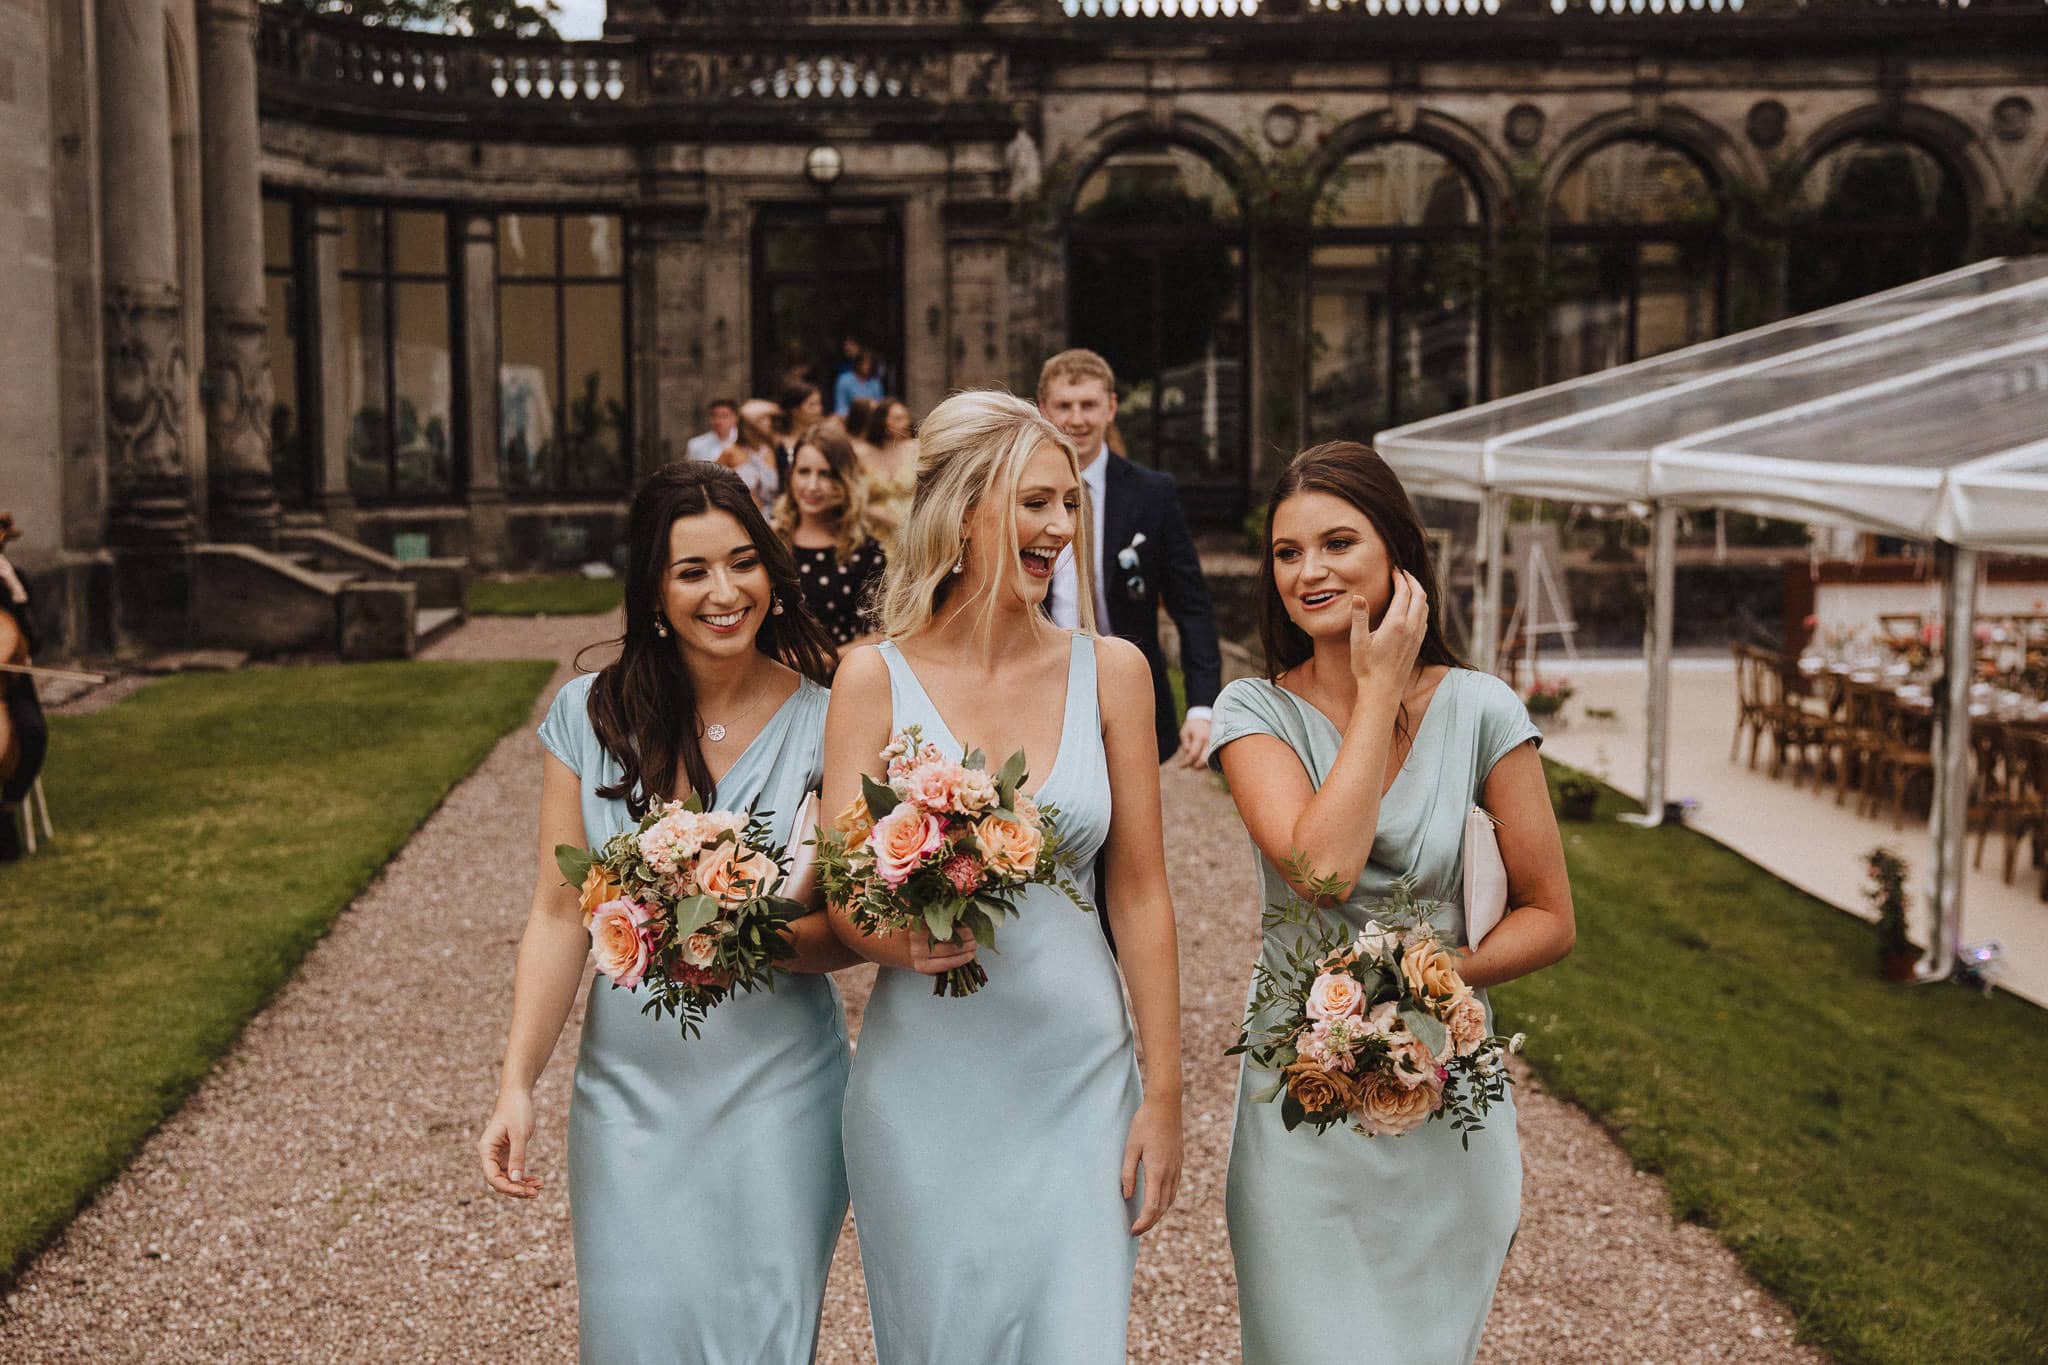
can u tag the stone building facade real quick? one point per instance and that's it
(440, 300)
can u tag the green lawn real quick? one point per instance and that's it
(1877, 1154)
(561, 594)
(208, 831)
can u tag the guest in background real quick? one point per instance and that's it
(860, 415)
(803, 407)
(23, 730)
(1144, 554)
(859, 382)
(890, 459)
(725, 426)
(823, 518)
(752, 454)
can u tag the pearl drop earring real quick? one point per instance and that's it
(960, 560)
(777, 608)
(660, 627)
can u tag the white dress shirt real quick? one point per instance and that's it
(1065, 601)
(1065, 597)
(709, 446)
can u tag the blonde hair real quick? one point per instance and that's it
(1075, 365)
(851, 523)
(970, 447)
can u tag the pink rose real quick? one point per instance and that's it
(902, 840)
(1336, 996)
(620, 941)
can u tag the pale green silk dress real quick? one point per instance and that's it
(985, 1135)
(1383, 1251)
(706, 1182)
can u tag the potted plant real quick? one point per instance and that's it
(1578, 792)
(1896, 955)
(1546, 700)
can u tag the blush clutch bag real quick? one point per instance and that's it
(1486, 877)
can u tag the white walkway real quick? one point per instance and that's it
(1796, 832)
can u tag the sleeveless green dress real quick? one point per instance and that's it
(1385, 1250)
(706, 1182)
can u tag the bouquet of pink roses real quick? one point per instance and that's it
(683, 904)
(942, 844)
(1375, 1029)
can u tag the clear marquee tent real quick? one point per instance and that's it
(1919, 412)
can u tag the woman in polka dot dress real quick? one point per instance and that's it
(823, 517)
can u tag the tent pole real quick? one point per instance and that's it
(1657, 663)
(1487, 590)
(1949, 815)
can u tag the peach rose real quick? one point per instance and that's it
(1011, 846)
(599, 886)
(1466, 1021)
(1336, 996)
(619, 942)
(700, 949)
(854, 820)
(732, 875)
(1319, 1091)
(902, 840)
(1431, 972)
(1387, 1108)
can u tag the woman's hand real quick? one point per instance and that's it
(1155, 1141)
(1387, 655)
(935, 959)
(503, 1146)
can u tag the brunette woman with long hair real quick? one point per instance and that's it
(1358, 757)
(823, 517)
(706, 1180)
(890, 458)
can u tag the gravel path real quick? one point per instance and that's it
(318, 1198)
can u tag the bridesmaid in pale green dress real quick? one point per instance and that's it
(1362, 752)
(706, 1182)
(1002, 1155)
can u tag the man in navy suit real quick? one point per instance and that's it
(1143, 552)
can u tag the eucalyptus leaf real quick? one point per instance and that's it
(881, 798)
(575, 862)
(1428, 1028)
(1013, 772)
(693, 913)
(939, 917)
(983, 923)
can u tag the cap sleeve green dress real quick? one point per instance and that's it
(1386, 1249)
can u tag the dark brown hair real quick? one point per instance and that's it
(643, 706)
(1357, 474)
(877, 431)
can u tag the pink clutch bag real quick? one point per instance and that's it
(1486, 877)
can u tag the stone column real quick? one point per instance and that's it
(488, 543)
(329, 397)
(236, 385)
(674, 370)
(147, 368)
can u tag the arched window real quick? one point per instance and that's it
(1395, 294)
(1635, 258)
(1873, 212)
(1155, 279)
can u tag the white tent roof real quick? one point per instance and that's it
(1921, 412)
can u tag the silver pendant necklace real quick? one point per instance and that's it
(716, 731)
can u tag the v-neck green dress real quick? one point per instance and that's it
(706, 1181)
(1385, 1249)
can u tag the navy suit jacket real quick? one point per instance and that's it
(1140, 501)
